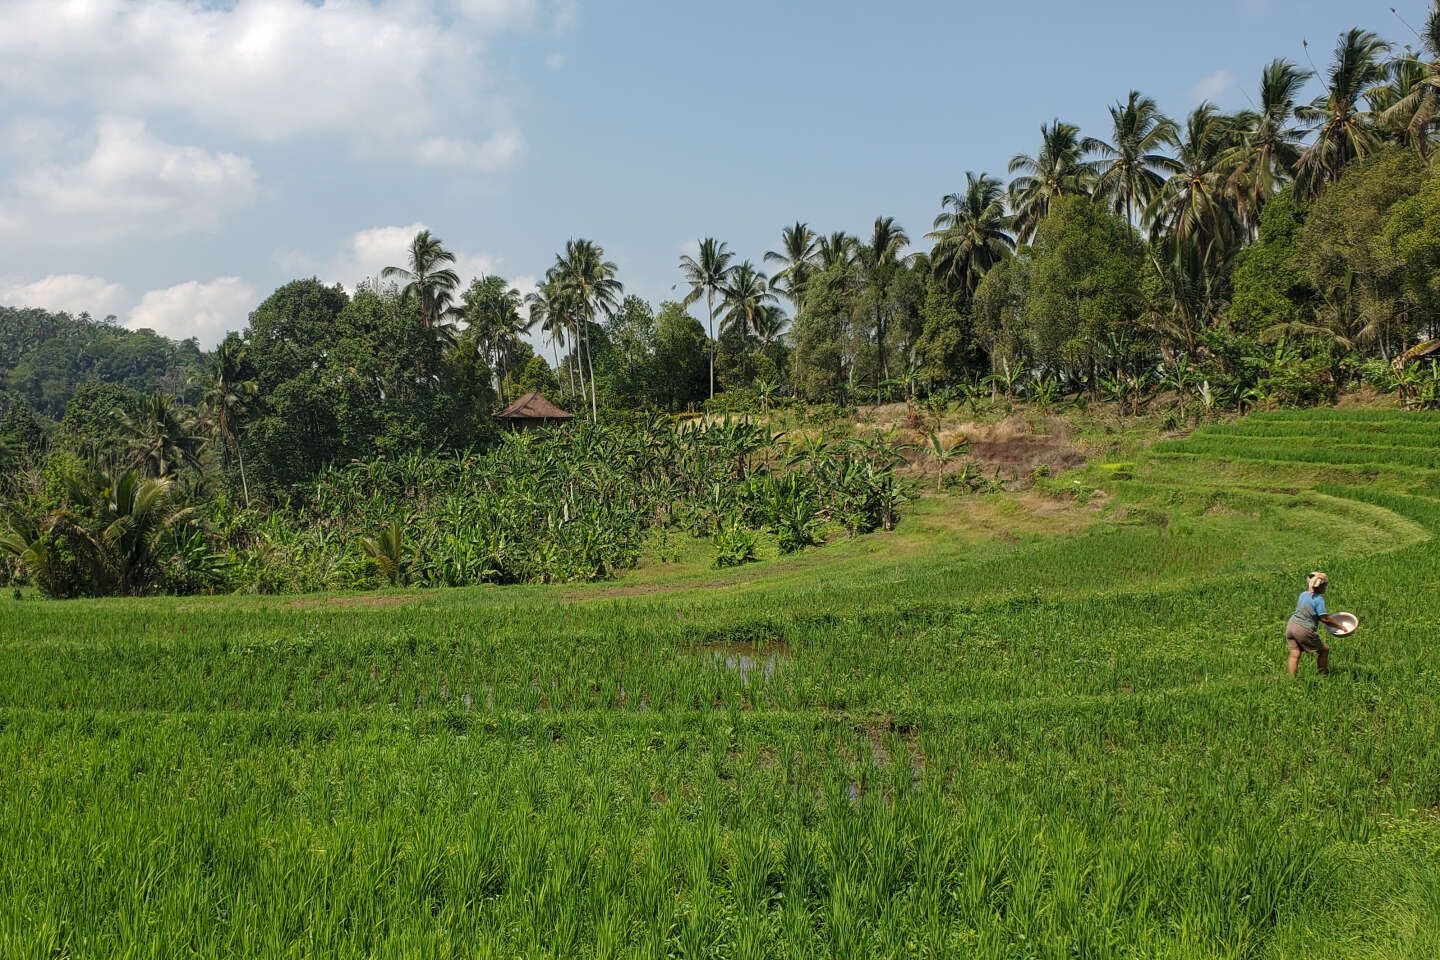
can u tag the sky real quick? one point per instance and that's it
(172, 162)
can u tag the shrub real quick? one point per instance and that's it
(734, 546)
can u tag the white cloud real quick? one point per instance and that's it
(267, 68)
(493, 154)
(205, 311)
(129, 181)
(71, 293)
(525, 284)
(497, 14)
(555, 61)
(1213, 86)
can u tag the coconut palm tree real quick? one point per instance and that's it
(1404, 78)
(707, 273)
(162, 436)
(1343, 130)
(113, 525)
(430, 283)
(136, 513)
(226, 396)
(973, 234)
(1268, 149)
(769, 324)
(745, 296)
(1132, 169)
(798, 255)
(547, 311)
(1412, 101)
(838, 249)
(1192, 213)
(492, 309)
(587, 279)
(1058, 170)
(881, 260)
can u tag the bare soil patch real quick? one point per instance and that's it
(1018, 450)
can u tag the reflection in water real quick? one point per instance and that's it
(751, 660)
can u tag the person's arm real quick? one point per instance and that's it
(1323, 612)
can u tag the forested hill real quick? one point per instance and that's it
(45, 356)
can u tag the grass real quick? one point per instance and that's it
(996, 732)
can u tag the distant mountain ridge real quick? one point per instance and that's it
(44, 356)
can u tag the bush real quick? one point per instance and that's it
(734, 546)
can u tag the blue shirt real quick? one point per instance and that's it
(1309, 609)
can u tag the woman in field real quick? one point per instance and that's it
(1302, 632)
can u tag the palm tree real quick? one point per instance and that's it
(1264, 159)
(226, 397)
(136, 512)
(745, 297)
(1412, 102)
(1132, 169)
(1192, 212)
(881, 260)
(547, 311)
(492, 310)
(587, 280)
(1343, 131)
(769, 323)
(707, 273)
(799, 254)
(836, 250)
(429, 282)
(1399, 107)
(162, 436)
(973, 235)
(113, 525)
(1058, 170)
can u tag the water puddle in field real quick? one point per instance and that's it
(759, 660)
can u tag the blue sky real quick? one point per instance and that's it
(172, 162)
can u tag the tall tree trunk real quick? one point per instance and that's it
(880, 352)
(569, 367)
(576, 358)
(244, 484)
(710, 312)
(590, 363)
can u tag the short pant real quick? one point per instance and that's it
(1299, 637)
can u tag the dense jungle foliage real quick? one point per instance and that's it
(538, 507)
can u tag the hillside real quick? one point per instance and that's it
(965, 738)
(45, 356)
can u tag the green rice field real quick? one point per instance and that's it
(1070, 738)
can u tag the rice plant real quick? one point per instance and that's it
(922, 745)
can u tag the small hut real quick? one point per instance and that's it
(531, 410)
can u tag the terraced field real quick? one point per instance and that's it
(933, 743)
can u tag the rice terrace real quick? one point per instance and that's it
(1056, 583)
(1072, 742)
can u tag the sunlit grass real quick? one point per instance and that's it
(988, 734)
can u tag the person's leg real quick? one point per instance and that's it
(1292, 644)
(1322, 658)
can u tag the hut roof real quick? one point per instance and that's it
(532, 406)
(1421, 351)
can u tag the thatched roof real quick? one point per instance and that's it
(532, 406)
